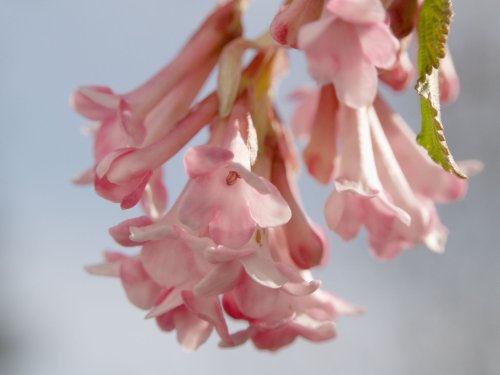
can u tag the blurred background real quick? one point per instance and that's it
(427, 313)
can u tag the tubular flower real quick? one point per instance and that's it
(379, 185)
(142, 116)
(237, 243)
(346, 46)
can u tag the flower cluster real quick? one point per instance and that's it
(236, 243)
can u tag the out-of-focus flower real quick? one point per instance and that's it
(346, 46)
(291, 17)
(315, 120)
(386, 183)
(147, 113)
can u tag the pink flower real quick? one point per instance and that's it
(315, 120)
(388, 184)
(291, 17)
(399, 76)
(359, 197)
(425, 177)
(149, 112)
(225, 198)
(276, 318)
(346, 46)
(161, 280)
(305, 241)
(122, 176)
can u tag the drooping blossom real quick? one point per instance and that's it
(359, 198)
(291, 17)
(144, 115)
(315, 120)
(123, 175)
(225, 197)
(276, 317)
(388, 185)
(346, 46)
(237, 242)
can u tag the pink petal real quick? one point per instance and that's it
(358, 11)
(109, 137)
(168, 262)
(209, 309)
(261, 268)
(292, 17)
(140, 289)
(132, 126)
(85, 178)
(239, 338)
(176, 104)
(296, 284)
(356, 80)
(111, 269)
(344, 308)
(221, 254)
(219, 280)
(191, 330)
(344, 214)
(95, 102)
(205, 159)
(321, 151)
(154, 199)
(313, 33)
(274, 339)
(199, 202)
(305, 244)
(305, 111)
(424, 176)
(315, 39)
(255, 300)
(232, 226)
(171, 300)
(154, 232)
(166, 321)
(378, 44)
(400, 75)
(121, 232)
(312, 329)
(268, 209)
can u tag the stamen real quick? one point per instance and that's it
(232, 177)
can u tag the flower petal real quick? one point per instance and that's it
(209, 309)
(205, 159)
(171, 300)
(169, 261)
(261, 268)
(141, 290)
(121, 232)
(219, 280)
(378, 44)
(358, 11)
(191, 330)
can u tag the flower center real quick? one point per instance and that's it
(232, 177)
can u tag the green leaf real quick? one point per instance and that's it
(433, 27)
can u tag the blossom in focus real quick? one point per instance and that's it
(237, 243)
(225, 197)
